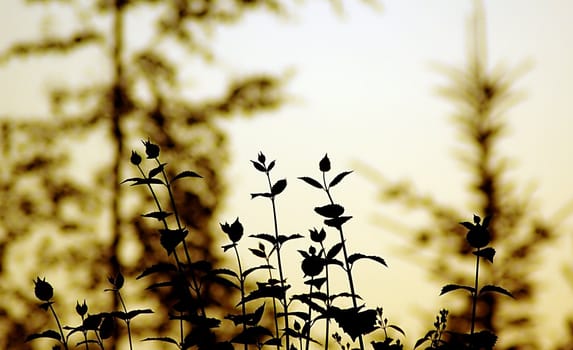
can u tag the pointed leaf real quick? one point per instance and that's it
(162, 339)
(398, 329)
(158, 169)
(283, 238)
(265, 236)
(224, 271)
(330, 210)
(495, 289)
(338, 178)
(271, 165)
(159, 267)
(337, 222)
(255, 195)
(255, 268)
(487, 253)
(186, 173)
(46, 334)
(258, 253)
(278, 187)
(358, 256)
(467, 225)
(332, 252)
(159, 215)
(451, 287)
(259, 166)
(312, 182)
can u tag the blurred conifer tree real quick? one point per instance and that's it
(81, 225)
(518, 230)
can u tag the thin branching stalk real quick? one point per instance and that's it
(64, 340)
(279, 262)
(242, 289)
(475, 294)
(347, 266)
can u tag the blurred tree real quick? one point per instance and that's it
(77, 222)
(518, 231)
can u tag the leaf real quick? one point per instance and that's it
(131, 314)
(420, 342)
(265, 236)
(158, 169)
(253, 269)
(262, 292)
(332, 252)
(467, 225)
(159, 267)
(357, 256)
(162, 339)
(398, 329)
(451, 287)
(337, 222)
(283, 238)
(495, 289)
(266, 194)
(338, 178)
(330, 210)
(312, 182)
(278, 187)
(46, 334)
(259, 166)
(487, 253)
(140, 181)
(315, 282)
(186, 173)
(259, 253)
(159, 215)
(224, 271)
(271, 165)
(355, 323)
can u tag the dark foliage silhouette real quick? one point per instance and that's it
(49, 200)
(294, 314)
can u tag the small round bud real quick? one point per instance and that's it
(135, 158)
(43, 290)
(151, 150)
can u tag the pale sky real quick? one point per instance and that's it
(364, 89)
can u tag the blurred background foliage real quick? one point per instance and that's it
(63, 212)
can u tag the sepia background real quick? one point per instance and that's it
(360, 82)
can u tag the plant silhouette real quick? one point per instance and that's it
(482, 96)
(138, 90)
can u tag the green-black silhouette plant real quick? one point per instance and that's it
(478, 237)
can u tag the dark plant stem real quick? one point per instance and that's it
(63, 341)
(308, 322)
(347, 266)
(280, 266)
(195, 284)
(274, 302)
(327, 330)
(127, 321)
(475, 293)
(242, 285)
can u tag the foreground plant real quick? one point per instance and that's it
(293, 316)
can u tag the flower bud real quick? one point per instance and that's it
(151, 149)
(135, 158)
(81, 309)
(324, 164)
(234, 231)
(43, 290)
(317, 236)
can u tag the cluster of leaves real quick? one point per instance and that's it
(295, 316)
